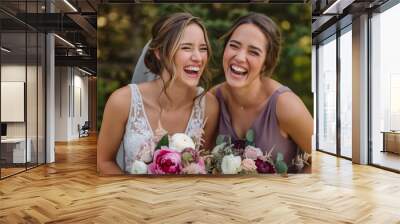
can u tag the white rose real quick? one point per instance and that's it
(231, 164)
(139, 167)
(180, 141)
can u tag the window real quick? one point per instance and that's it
(327, 95)
(346, 93)
(385, 88)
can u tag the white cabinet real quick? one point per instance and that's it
(16, 148)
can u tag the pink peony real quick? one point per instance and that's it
(195, 168)
(165, 161)
(248, 165)
(251, 152)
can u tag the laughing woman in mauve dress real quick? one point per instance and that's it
(251, 99)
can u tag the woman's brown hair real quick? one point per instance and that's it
(271, 32)
(166, 35)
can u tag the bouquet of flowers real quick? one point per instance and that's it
(172, 155)
(178, 154)
(242, 157)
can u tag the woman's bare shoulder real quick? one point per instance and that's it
(295, 119)
(121, 94)
(289, 107)
(120, 99)
(148, 86)
(212, 106)
(271, 85)
(211, 99)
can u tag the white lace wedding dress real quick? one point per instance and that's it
(138, 130)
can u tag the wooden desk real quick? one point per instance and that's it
(13, 150)
(391, 141)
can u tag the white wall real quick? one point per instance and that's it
(61, 103)
(33, 127)
(81, 103)
(71, 93)
(12, 73)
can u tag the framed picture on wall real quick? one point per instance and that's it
(191, 57)
(12, 101)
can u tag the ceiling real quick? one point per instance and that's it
(76, 25)
(329, 15)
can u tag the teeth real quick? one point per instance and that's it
(193, 68)
(238, 69)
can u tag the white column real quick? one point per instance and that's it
(50, 93)
(360, 90)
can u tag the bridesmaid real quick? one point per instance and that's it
(251, 99)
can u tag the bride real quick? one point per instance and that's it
(172, 103)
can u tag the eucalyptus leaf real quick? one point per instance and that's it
(279, 157)
(187, 157)
(280, 164)
(220, 139)
(250, 143)
(250, 135)
(163, 142)
(281, 167)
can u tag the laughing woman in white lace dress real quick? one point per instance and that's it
(173, 103)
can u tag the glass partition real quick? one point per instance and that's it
(22, 79)
(14, 153)
(327, 95)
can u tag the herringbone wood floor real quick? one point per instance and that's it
(69, 191)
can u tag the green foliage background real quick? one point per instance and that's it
(124, 29)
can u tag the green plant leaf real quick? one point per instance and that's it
(220, 139)
(250, 135)
(187, 157)
(250, 143)
(281, 167)
(279, 157)
(163, 142)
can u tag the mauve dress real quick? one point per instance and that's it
(266, 128)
